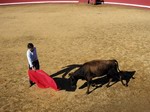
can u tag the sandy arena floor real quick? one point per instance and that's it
(70, 35)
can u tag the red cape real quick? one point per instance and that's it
(42, 79)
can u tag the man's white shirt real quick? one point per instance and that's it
(31, 56)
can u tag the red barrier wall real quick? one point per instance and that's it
(9, 2)
(139, 3)
(136, 3)
(12, 1)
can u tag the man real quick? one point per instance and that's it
(32, 59)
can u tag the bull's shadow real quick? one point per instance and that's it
(64, 84)
(65, 70)
(99, 82)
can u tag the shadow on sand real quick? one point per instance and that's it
(65, 70)
(99, 82)
(64, 84)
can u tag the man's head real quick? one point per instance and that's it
(30, 46)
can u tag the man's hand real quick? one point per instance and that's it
(33, 68)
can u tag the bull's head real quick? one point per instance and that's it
(73, 80)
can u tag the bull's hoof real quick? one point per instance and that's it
(107, 86)
(87, 93)
(93, 85)
(73, 86)
(126, 85)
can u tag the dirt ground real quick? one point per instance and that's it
(71, 35)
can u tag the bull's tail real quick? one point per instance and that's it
(117, 65)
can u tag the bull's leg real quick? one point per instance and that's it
(89, 79)
(88, 87)
(108, 84)
(110, 76)
(122, 81)
(93, 84)
(119, 77)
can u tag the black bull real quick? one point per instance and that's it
(96, 68)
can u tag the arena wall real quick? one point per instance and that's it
(12, 2)
(137, 3)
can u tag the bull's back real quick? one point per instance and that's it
(96, 67)
(99, 67)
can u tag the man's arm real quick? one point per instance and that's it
(29, 59)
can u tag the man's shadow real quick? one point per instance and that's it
(99, 82)
(65, 70)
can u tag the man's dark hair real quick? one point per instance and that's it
(30, 45)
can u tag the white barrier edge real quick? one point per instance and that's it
(18, 3)
(136, 5)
